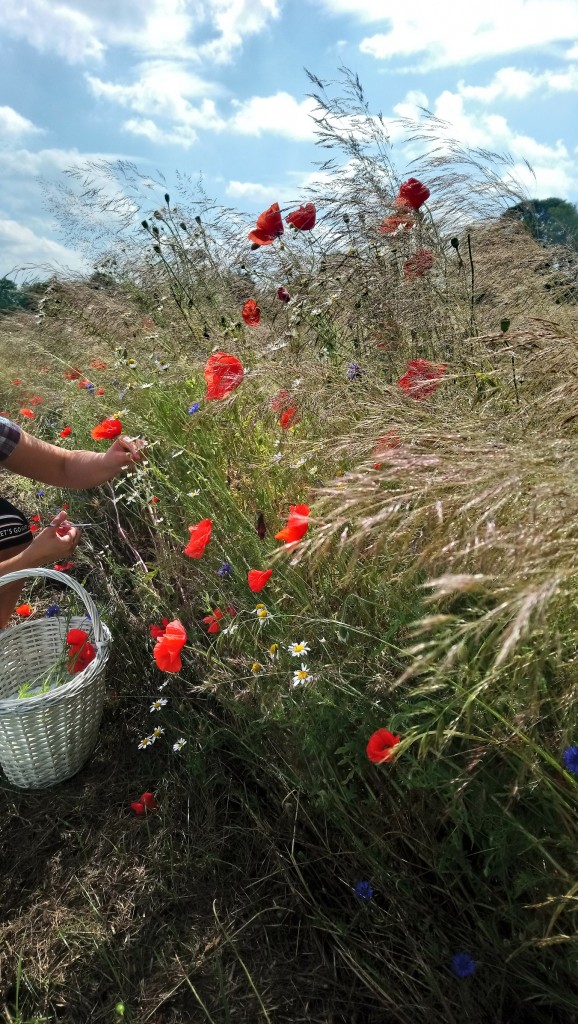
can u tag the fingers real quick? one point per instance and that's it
(132, 446)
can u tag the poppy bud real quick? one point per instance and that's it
(155, 231)
(157, 248)
(158, 215)
(283, 295)
(504, 324)
(346, 218)
(167, 198)
(255, 246)
(183, 226)
(198, 220)
(145, 224)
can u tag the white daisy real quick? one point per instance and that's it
(157, 732)
(301, 676)
(179, 744)
(158, 704)
(229, 630)
(262, 614)
(146, 742)
(297, 649)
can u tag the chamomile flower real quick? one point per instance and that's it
(146, 742)
(301, 676)
(180, 743)
(256, 667)
(229, 630)
(262, 614)
(157, 732)
(297, 649)
(274, 652)
(158, 704)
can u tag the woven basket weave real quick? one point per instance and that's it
(47, 737)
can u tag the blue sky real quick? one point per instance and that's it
(219, 87)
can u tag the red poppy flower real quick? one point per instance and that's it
(390, 224)
(412, 193)
(37, 400)
(223, 373)
(154, 500)
(28, 413)
(213, 621)
(297, 524)
(200, 537)
(380, 746)
(36, 519)
(100, 391)
(138, 808)
(73, 373)
(167, 650)
(24, 610)
(146, 802)
(64, 567)
(385, 444)
(421, 378)
(106, 430)
(156, 631)
(80, 650)
(257, 579)
(17, 382)
(268, 227)
(283, 295)
(281, 401)
(251, 313)
(418, 265)
(84, 382)
(34, 528)
(98, 364)
(304, 218)
(66, 432)
(288, 417)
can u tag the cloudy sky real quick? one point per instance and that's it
(218, 87)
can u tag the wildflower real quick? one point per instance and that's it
(301, 676)
(17, 382)
(421, 378)
(412, 193)
(419, 264)
(23, 610)
(296, 649)
(384, 444)
(100, 391)
(283, 295)
(153, 500)
(213, 621)
(106, 430)
(256, 667)
(225, 569)
(157, 631)
(80, 650)
(394, 225)
(363, 890)
(66, 432)
(98, 364)
(229, 630)
(303, 219)
(380, 746)
(28, 413)
(273, 652)
(261, 612)
(90, 387)
(158, 732)
(354, 371)
(52, 610)
(268, 227)
(146, 742)
(193, 408)
(251, 313)
(64, 567)
(223, 373)
(463, 965)
(167, 650)
(73, 373)
(570, 756)
(37, 400)
(180, 743)
(40, 494)
(297, 524)
(257, 579)
(289, 417)
(200, 535)
(146, 802)
(158, 704)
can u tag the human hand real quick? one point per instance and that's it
(54, 543)
(122, 453)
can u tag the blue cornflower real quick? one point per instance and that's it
(90, 387)
(570, 756)
(52, 610)
(194, 408)
(363, 890)
(354, 371)
(225, 569)
(463, 965)
(40, 494)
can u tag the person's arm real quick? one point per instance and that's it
(74, 469)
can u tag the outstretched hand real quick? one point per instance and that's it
(122, 453)
(56, 542)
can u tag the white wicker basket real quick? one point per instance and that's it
(47, 737)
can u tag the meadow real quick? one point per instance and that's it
(410, 374)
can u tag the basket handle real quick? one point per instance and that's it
(61, 577)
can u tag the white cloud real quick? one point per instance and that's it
(13, 125)
(82, 30)
(21, 247)
(250, 190)
(183, 135)
(280, 114)
(513, 83)
(451, 32)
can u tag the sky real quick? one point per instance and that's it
(219, 88)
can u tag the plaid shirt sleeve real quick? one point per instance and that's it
(9, 437)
